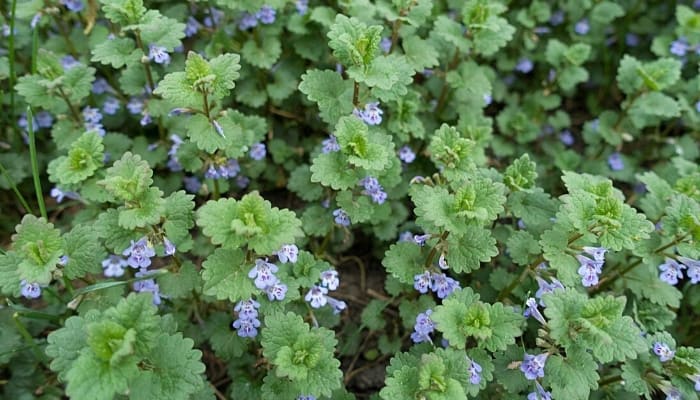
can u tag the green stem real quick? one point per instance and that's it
(74, 111)
(445, 88)
(35, 164)
(146, 66)
(13, 72)
(35, 49)
(433, 251)
(356, 94)
(12, 184)
(28, 338)
(216, 190)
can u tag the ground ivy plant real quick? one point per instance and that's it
(391, 199)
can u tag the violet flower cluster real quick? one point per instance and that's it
(318, 297)
(590, 269)
(672, 270)
(423, 327)
(371, 115)
(265, 279)
(247, 323)
(373, 189)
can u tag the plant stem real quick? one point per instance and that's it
(12, 184)
(28, 338)
(146, 66)
(443, 93)
(356, 94)
(35, 164)
(13, 72)
(74, 111)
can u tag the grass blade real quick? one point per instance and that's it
(12, 184)
(35, 164)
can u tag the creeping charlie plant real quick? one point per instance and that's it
(390, 199)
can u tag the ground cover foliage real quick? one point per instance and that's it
(391, 199)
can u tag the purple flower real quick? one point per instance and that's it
(247, 21)
(139, 253)
(146, 119)
(406, 236)
(421, 239)
(406, 154)
(169, 247)
(192, 26)
(135, 105)
(615, 162)
(100, 86)
(257, 151)
(671, 271)
(288, 252)
(663, 351)
(308, 396)
(488, 99)
(557, 18)
(330, 145)
(385, 44)
(631, 39)
(114, 266)
(524, 65)
(337, 305)
(242, 181)
(582, 27)
(329, 279)
(59, 195)
(277, 291)
(423, 327)
(30, 290)
(192, 184)
(533, 311)
(598, 253)
(111, 105)
(159, 54)
(230, 169)
(679, 47)
(372, 114)
(213, 18)
(73, 5)
(218, 128)
(566, 137)
(539, 393)
(317, 296)
(63, 260)
(247, 309)
(674, 394)
(147, 285)
(44, 119)
(341, 217)
(546, 288)
(69, 62)
(246, 327)
(302, 7)
(264, 274)
(533, 366)
(373, 189)
(474, 372)
(696, 379)
(693, 268)
(443, 285)
(589, 270)
(92, 115)
(266, 15)
(421, 282)
(442, 262)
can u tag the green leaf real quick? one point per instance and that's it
(420, 54)
(331, 169)
(252, 221)
(652, 108)
(129, 178)
(225, 275)
(85, 253)
(156, 29)
(264, 54)
(389, 73)
(39, 245)
(593, 324)
(371, 152)
(143, 211)
(372, 316)
(404, 260)
(123, 12)
(300, 183)
(179, 219)
(522, 246)
(177, 373)
(572, 377)
(116, 52)
(353, 42)
(84, 158)
(605, 12)
(328, 89)
(468, 248)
